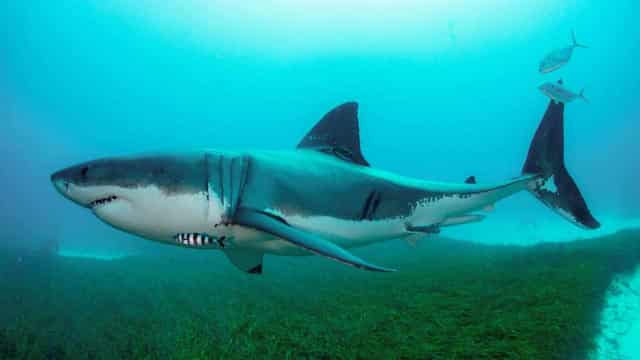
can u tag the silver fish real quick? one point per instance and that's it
(559, 57)
(557, 92)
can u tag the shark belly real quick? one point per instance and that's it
(352, 206)
(351, 233)
(448, 210)
(342, 203)
(342, 232)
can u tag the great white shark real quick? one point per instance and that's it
(320, 198)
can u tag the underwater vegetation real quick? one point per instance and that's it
(450, 300)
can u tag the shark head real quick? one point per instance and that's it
(157, 197)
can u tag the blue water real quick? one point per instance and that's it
(446, 90)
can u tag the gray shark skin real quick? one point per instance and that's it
(320, 198)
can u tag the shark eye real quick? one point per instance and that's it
(84, 170)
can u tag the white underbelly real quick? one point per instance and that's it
(251, 239)
(344, 233)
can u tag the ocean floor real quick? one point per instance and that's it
(530, 230)
(450, 299)
(620, 320)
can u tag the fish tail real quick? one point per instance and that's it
(581, 96)
(575, 42)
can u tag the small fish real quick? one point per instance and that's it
(452, 30)
(559, 57)
(559, 93)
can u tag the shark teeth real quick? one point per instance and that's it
(102, 201)
(199, 240)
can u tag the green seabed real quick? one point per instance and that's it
(451, 300)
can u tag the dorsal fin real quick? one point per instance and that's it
(470, 180)
(337, 134)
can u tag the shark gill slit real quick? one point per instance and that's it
(365, 208)
(207, 178)
(374, 207)
(207, 184)
(370, 206)
(221, 182)
(237, 196)
(231, 188)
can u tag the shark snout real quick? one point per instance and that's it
(60, 182)
(63, 183)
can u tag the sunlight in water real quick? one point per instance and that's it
(304, 28)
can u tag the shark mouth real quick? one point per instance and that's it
(199, 240)
(102, 201)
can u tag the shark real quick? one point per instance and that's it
(321, 198)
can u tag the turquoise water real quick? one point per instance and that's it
(446, 90)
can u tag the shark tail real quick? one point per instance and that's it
(575, 42)
(553, 185)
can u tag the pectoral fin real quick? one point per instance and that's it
(463, 219)
(245, 260)
(279, 227)
(426, 229)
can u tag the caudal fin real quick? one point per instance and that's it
(554, 186)
(575, 43)
(581, 96)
